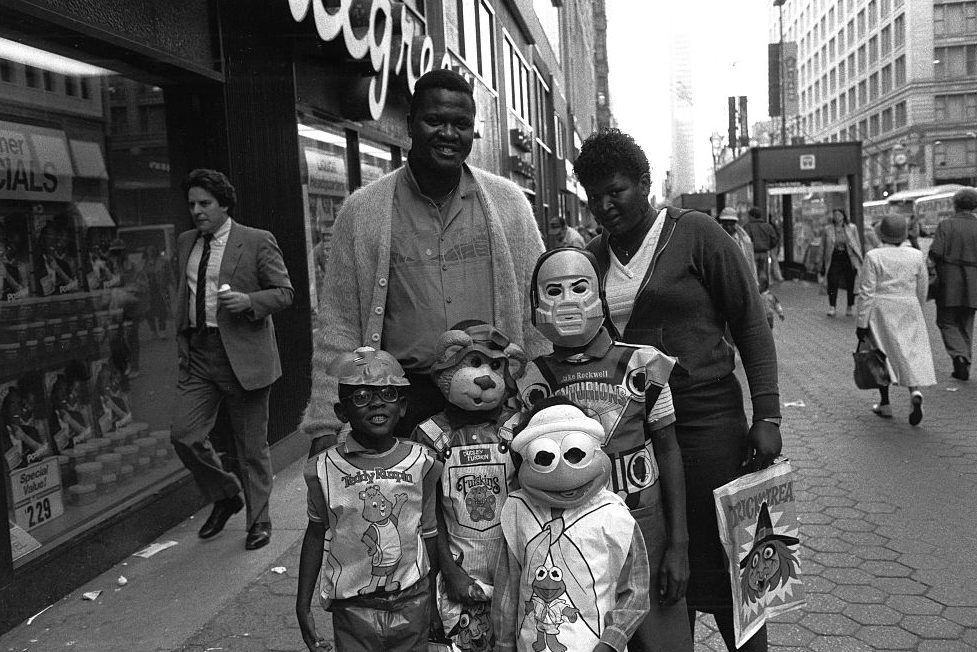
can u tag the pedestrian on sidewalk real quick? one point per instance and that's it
(892, 292)
(841, 252)
(376, 495)
(682, 303)
(954, 250)
(765, 240)
(233, 279)
(731, 225)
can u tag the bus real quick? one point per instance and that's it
(931, 210)
(874, 211)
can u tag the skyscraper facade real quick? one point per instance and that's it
(898, 75)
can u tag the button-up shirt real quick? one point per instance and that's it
(217, 245)
(440, 269)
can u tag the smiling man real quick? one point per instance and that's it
(433, 243)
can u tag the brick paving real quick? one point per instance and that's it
(886, 514)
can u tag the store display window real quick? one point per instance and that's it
(87, 356)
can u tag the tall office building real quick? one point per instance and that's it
(899, 75)
(682, 102)
(605, 117)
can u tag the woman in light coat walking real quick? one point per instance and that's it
(841, 258)
(892, 292)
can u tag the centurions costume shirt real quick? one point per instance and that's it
(615, 381)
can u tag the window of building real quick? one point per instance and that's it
(899, 30)
(824, 58)
(873, 86)
(852, 133)
(851, 32)
(860, 22)
(517, 80)
(861, 60)
(832, 81)
(873, 14)
(970, 107)
(841, 42)
(834, 110)
(955, 62)
(862, 93)
(475, 38)
(886, 79)
(851, 64)
(887, 120)
(899, 71)
(900, 115)
(70, 86)
(841, 106)
(6, 70)
(955, 19)
(560, 136)
(883, 8)
(885, 41)
(540, 115)
(862, 129)
(873, 50)
(841, 72)
(31, 76)
(832, 53)
(851, 99)
(486, 43)
(48, 80)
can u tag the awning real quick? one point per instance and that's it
(94, 213)
(89, 162)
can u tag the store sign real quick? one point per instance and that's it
(327, 173)
(808, 162)
(788, 76)
(34, 163)
(35, 492)
(380, 29)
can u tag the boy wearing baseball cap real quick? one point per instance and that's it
(374, 496)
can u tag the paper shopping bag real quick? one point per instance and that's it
(758, 527)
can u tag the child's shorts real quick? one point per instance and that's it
(397, 621)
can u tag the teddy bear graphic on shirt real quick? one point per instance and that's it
(381, 537)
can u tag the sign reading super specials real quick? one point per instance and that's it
(34, 163)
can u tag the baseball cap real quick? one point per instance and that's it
(728, 215)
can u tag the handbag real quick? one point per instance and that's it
(870, 370)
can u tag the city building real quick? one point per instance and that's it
(897, 75)
(681, 105)
(103, 111)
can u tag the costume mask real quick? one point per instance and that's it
(562, 463)
(566, 300)
(368, 366)
(471, 366)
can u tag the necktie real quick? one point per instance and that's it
(201, 296)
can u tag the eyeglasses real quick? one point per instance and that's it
(363, 396)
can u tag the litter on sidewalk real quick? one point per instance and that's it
(278, 569)
(91, 595)
(795, 404)
(153, 548)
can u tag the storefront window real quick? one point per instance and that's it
(86, 280)
(324, 187)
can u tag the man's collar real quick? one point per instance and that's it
(221, 233)
(464, 183)
(598, 348)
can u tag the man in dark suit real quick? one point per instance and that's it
(232, 280)
(954, 250)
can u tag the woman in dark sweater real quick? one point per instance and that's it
(674, 279)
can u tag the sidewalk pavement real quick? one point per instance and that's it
(886, 515)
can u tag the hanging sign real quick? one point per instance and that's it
(384, 30)
(34, 163)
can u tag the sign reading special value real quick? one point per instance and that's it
(34, 163)
(35, 491)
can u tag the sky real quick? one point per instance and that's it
(729, 57)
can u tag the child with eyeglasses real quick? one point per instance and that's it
(372, 497)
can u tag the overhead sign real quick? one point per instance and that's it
(803, 190)
(808, 162)
(34, 163)
(788, 77)
(382, 29)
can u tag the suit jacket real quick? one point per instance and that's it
(252, 264)
(954, 249)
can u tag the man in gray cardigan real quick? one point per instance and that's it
(429, 245)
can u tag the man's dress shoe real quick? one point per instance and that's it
(223, 510)
(258, 536)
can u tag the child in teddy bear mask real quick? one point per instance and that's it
(473, 367)
(575, 572)
(626, 388)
